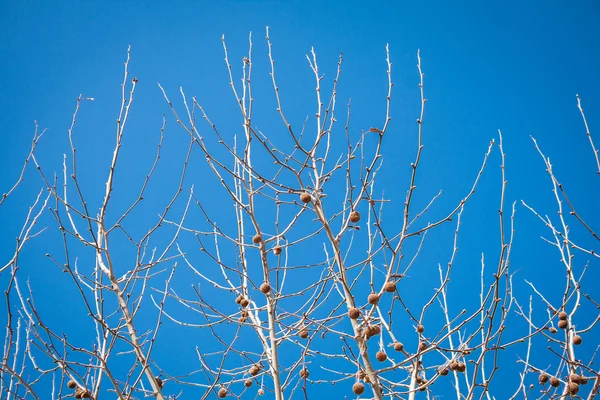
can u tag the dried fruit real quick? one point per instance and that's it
(373, 298)
(552, 330)
(575, 378)
(453, 365)
(420, 328)
(244, 302)
(577, 340)
(265, 288)
(254, 370)
(562, 315)
(372, 330)
(443, 371)
(573, 388)
(381, 356)
(277, 250)
(222, 393)
(398, 346)
(256, 239)
(554, 382)
(422, 346)
(543, 378)
(261, 392)
(71, 384)
(390, 287)
(239, 299)
(354, 216)
(248, 383)
(303, 333)
(461, 367)
(82, 393)
(304, 373)
(354, 313)
(562, 324)
(305, 198)
(358, 388)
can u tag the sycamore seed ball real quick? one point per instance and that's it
(381, 356)
(552, 330)
(554, 382)
(573, 388)
(563, 324)
(562, 315)
(420, 328)
(373, 298)
(398, 346)
(305, 198)
(354, 313)
(575, 378)
(304, 373)
(257, 239)
(358, 388)
(461, 367)
(354, 217)
(265, 288)
(443, 371)
(244, 302)
(422, 346)
(544, 378)
(577, 340)
(390, 287)
(248, 383)
(71, 384)
(277, 250)
(222, 393)
(303, 333)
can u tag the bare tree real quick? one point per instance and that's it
(302, 284)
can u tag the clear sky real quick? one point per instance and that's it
(512, 65)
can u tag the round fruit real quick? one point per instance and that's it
(422, 346)
(261, 392)
(544, 378)
(562, 324)
(304, 373)
(373, 298)
(223, 393)
(552, 330)
(390, 287)
(248, 383)
(381, 356)
(239, 299)
(254, 370)
(277, 250)
(575, 378)
(354, 216)
(256, 239)
(358, 388)
(573, 388)
(554, 382)
(420, 328)
(305, 198)
(71, 384)
(562, 315)
(354, 313)
(372, 330)
(303, 333)
(265, 288)
(461, 367)
(398, 346)
(453, 365)
(244, 302)
(577, 340)
(443, 371)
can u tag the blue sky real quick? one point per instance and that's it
(509, 66)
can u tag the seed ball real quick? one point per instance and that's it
(248, 383)
(261, 392)
(372, 330)
(265, 288)
(562, 315)
(354, 216)
(239, 299)
(443, 371)
(358, 388)
(543, 378)
(257, 239)
(277, 250)
(254, 370)
(390, 287)
(71, 384)
(422, 346)
(381, 356)
(398, 346)
(354, 313)
(453, 365)
(303, 333)
(461, 367)
(223, 393)
(420, 328)
(244, 302)
(554, 382)
(304, 373)
(575, 378)
(373, 298)
(562, 324)
(577, 340)
(552, 330)
(573, 388)
(305, 198)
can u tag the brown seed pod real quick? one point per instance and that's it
(304, 373)
(159, 382)
(358, 388)
(575, 378)
(552, 330)
(244, 302)
(82, 393)
(277, 250)
(443, 371)
(305, 198)
(398, 346)
(372, 330)
(420, 328)
(303, 333)
(543, 378)
(573, 388)
(577, 340)
(222, 393)
(373, 298)
(354, 313)
(453, 365)
(390, 287)
(261, 392)
(256, 239)
(254, 370)
(71, 384)
(381, 356)
(562, 324)
(265, 288)
(461, 367)
(562, 315)
(248, 382)
(239, 299)
(422, 346)
(554, 382)
(354, 217)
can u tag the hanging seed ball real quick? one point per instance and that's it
(373, 298)
(398, 346)
(544, 378)
(244, 302)
(562, 315)
(372, 330)
(71, 384)
(575, 378)
(78, 393)
(248, 383)
(573, 388)
(277, 250)
(420, 328)
(354, 313)
(422, 346)
(554, 382)
(305, 198)
(562, 324)
(461, 367)
(577, 340)
(261, 392)
(354, 216)
(381, 356)
(304, 373)
(453, 365)
(552, 330)
(358, 388)
(256, 239)
(303, 333)
(222, 393)
(265, 288)
(238, 299)
(254, 370)
(390, 287)
(443, 371)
